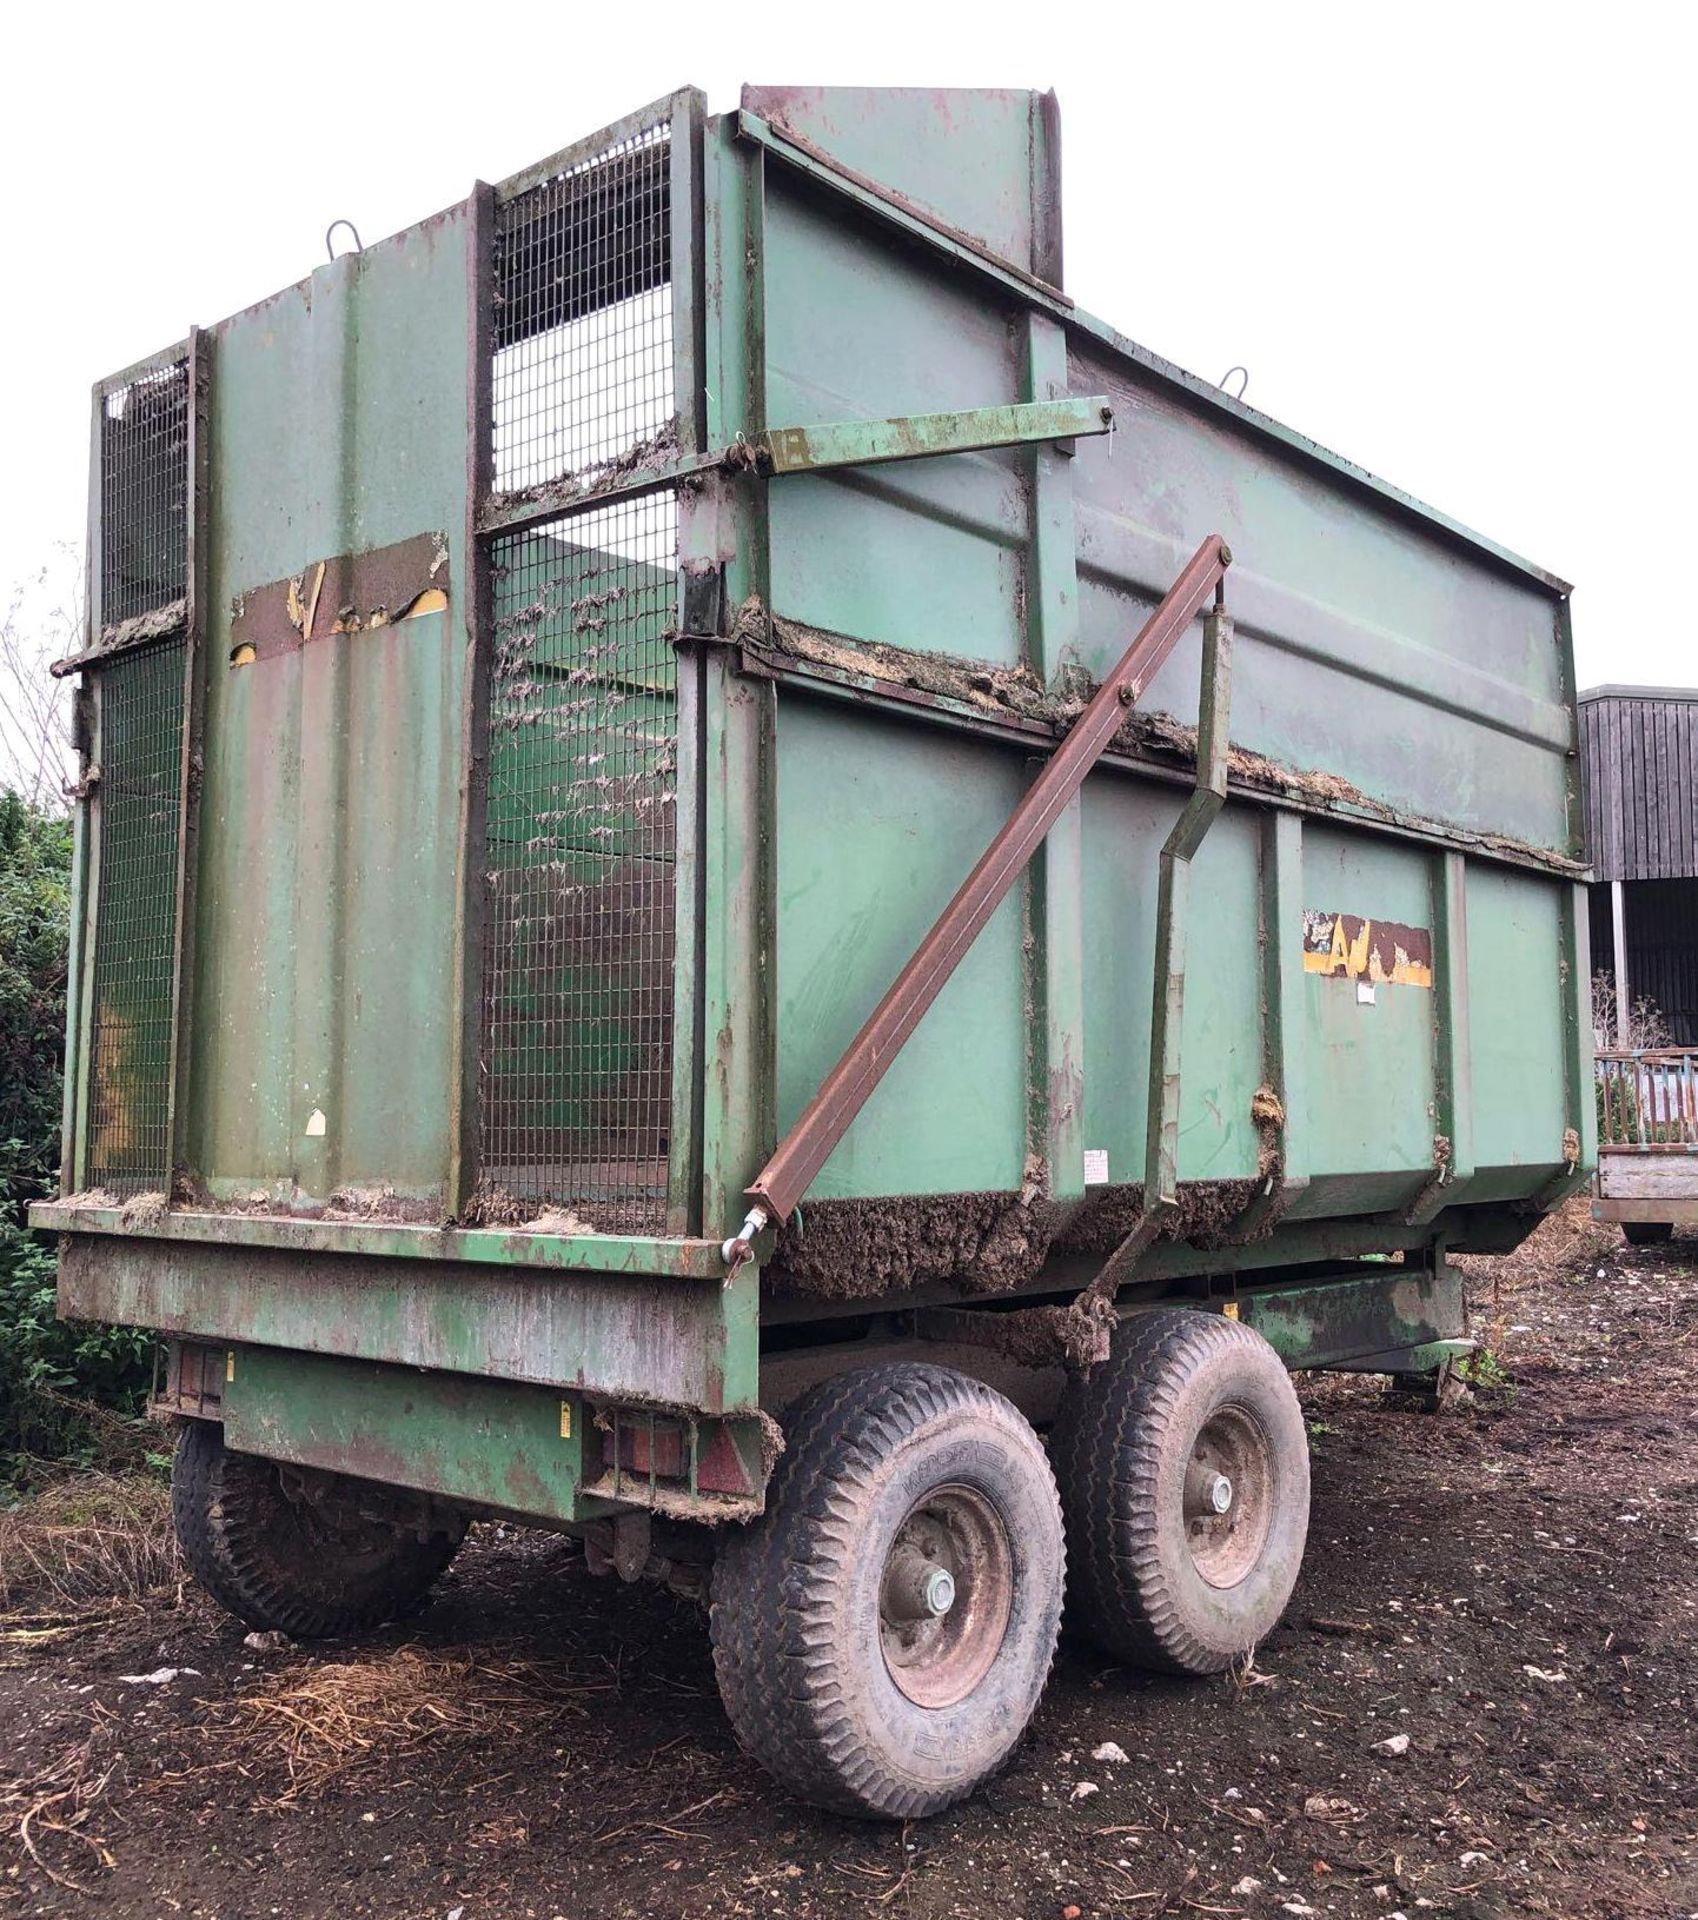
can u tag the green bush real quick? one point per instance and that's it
(54, 1378)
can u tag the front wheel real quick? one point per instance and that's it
(883, 1633)
(1184, 1470)
(306, 1553)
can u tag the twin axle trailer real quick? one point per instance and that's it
(729, 860)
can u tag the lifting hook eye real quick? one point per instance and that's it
(329, 239)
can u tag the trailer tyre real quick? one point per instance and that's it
(1647, 1233)
(1184, 1470)
(883, 1633)
(309, 1554)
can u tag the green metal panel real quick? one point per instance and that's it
(853, 328)
(1393, 1314)
(490, 1441)
(876, 824)
(1370, 1113)
(1437, 689)
(626, 1336)
(1515, 1011)
(327, 902)
(1126, 822)
(994, 178)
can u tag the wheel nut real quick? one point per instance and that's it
(1208, 1492)
(916, 1587)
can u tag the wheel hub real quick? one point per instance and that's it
(1228, 1495)
(945, 1596)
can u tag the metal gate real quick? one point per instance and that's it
(580, 826)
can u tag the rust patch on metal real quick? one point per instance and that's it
(348, 594)
(1343, 946)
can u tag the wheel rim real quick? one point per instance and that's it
(945, 1596)
(1228, 1495)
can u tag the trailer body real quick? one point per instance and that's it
(546, 674)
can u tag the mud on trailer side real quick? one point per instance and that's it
(732, 860)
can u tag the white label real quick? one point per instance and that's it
(1096, 1166)
(315, 1125)
(1364, 993)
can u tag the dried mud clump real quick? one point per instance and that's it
(1075, 1337)
(982, 1243)
(1205, 1216)
(860, 1249)
(1013, 690)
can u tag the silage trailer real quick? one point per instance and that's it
(747, 888)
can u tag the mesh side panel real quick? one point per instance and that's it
(583, 383)
(577, 1011)
(144, 494)
(141, 737)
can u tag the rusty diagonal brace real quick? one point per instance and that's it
(784, 1179)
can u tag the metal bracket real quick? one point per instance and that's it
(919, 436)
(1167, 1006)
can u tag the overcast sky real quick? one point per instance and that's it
(1453, 243)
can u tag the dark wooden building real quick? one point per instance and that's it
(1639, 764)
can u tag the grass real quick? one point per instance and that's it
(87, 1538)
(334, 1721)
(1483, 1369)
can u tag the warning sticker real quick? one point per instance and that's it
(1342, 946)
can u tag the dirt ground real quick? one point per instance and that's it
(1511, 1585)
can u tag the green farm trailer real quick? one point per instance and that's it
(746, 888)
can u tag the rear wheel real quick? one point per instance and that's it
(1184, 1470)
(883, 1633)
(1647, 1233)
(309, 1554)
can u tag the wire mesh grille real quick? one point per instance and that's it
(144, 494)
(577, 1059)
(141, 739)
(583, 378)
